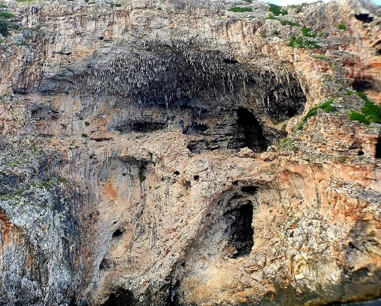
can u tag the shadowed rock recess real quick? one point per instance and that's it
(168, 153)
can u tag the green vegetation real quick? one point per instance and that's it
(276, 33)
(287, 144)
(369, 113)
(241, 9)
(342, 26)
(372, 111)
(355, 116)
(4, 24)
(343, 159)
(349, 93)
(87, 123)
(84, 135)
(4, 27)
(301, 42)
(320, 56)
(307, 32)
(248, 1)
(6, 15)
(327, 107)
(277, 10)
(284, 22)
(13, 164)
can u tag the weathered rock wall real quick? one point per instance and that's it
(177, 168)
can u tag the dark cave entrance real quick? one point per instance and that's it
(121, 297)
(361, 84)
(240, 231)
(378, 148)
(364, 18)
(249, 132)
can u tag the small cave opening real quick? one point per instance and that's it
(105, 264)
(249, 189)
(361, 84)
(249, 132)
(378, 148)
(364, 18)
(122, 297)
(195, 128)
(141, 127)
(172, 299)
(240, 231)
(117, 233)
(230, 61)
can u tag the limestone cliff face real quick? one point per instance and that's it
(178, 153)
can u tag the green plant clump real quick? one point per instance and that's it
(277, 10)
(301, 42)
(6, 15)
(326, 107)
(355, 116)
(84, 135)
(307, 32)
(371, 112)
(342, 26)
(287, 144)
(284, 22)
(241, 9)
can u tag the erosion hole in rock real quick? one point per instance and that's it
(121, 297)
(195, 128)
(249, 132)
(117, 233)
(361, 84)
(249, 189)
(364, 18)
(105, 264)
(142, 127)
(378, 148)
(172, 299)
(241, 232)
(360, 153)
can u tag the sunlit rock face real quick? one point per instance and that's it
(181, 153)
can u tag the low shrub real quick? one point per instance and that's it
(6, 15)
(301, 42)
(277, 10)
(241, 9)
(4, 27)
(358, 117)
(327, 107)
(342, 26)
(307, 32)
(284, 22)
